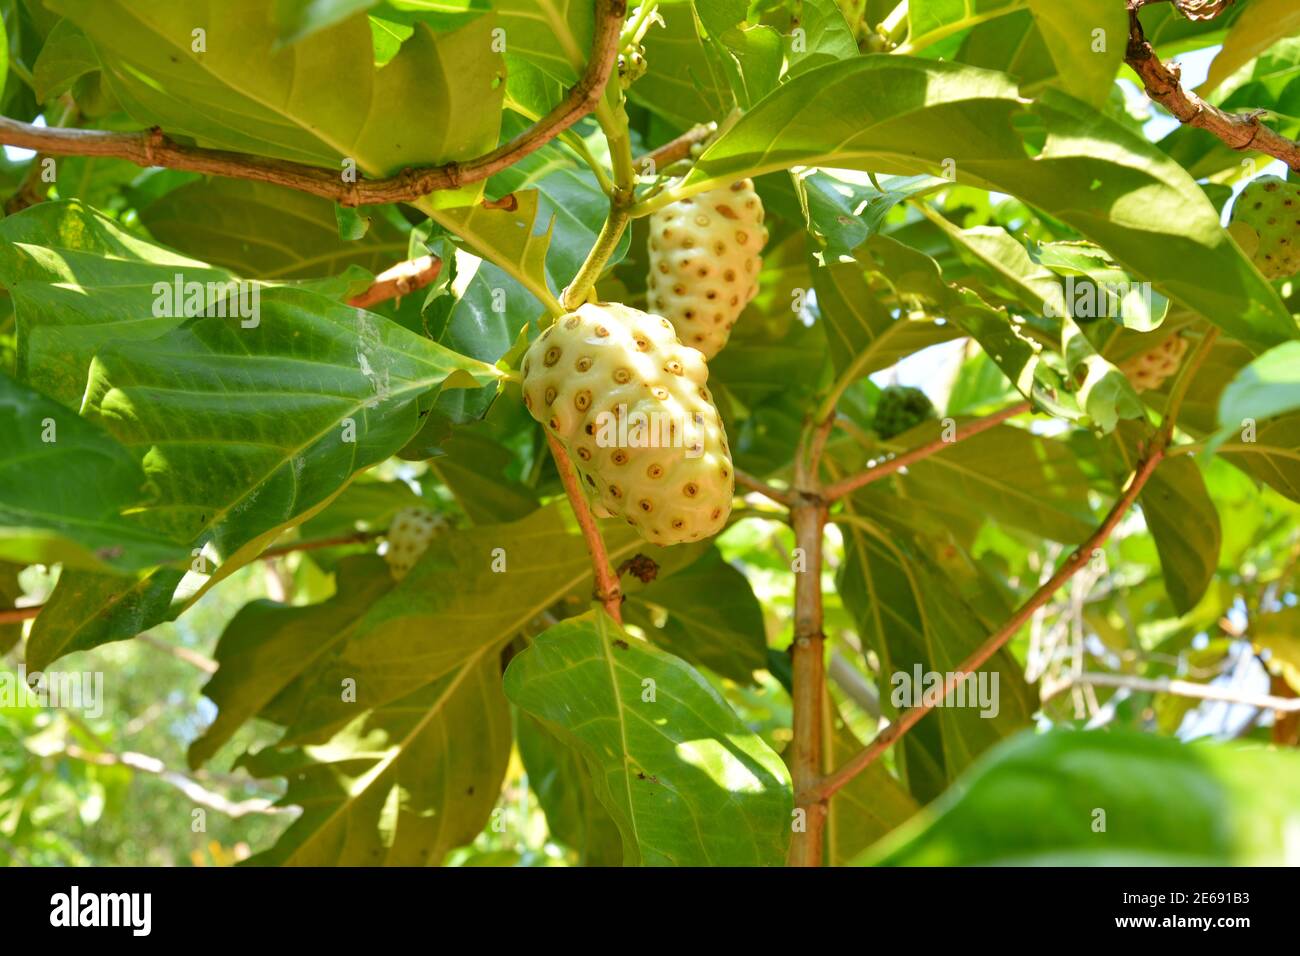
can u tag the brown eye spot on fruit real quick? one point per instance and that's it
(689, 314)
(701, 220)
(742, 237)
(584, 453)
(642, 345)
(679, 289)
(591, 428)
(615, 491)
(729, 275)
(660, 393)
(552, 356)
(582, 401)
(726, 211)
(550, 395)
(674, 368)
(655, 471)
(591, 481)
(663, 267)
(554, 423)
(583, 363)
(602, 332)
(619, 457)
(572, 322)
(678, 524)
(646, 505)
(690, 489)
(716, 514)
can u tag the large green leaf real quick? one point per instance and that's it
(402, 784)
(1094, 174)
(319, 101)
(1104, 799)
(686, 781)
(1260, 25)
(66, 487)
(1267, 387)
(261, 231)
(393, 639)
(79, 281)
(915, 618)
(247, 430)
(869, 806)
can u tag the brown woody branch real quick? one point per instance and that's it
(1240, 131)
(746, 480)
(402, 279)
(154, 148)
(677, 149)
(608, 591)
(906, 721)
(849, 485)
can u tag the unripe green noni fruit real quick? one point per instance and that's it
(1266, 224)
(631, 406)
(1155, 366)
(408, 537)
(704, 262)
(901, 408)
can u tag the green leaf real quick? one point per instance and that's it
(402, 784)
(562, 783)
(262, 231)
(319, 101)
(1260, 25)
(865, 336)
(247, 430)
(79, 282)
(685, 85)
(393, 639)
(911, 615)
(826, 37)
(1266, 388)
(1091, 172)
(66, 57)
(51, 508)
(686, 781)
(554, 36)
(1069, 798)
(712, 618)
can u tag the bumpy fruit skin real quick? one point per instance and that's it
(408, 538)
(591, 377)
(900, 409)
(1153, 368)
(704, 263)
(1266, 223)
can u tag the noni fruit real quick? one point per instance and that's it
(408, 537)
(1154, 367)
(1266, 224)
(631, 406)
(704, 262)
(901, 408)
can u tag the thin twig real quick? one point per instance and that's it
(674, 150)
(1240, 131)
(16, 614)
(196, 660)
(154, 148)
(763, 488)
(1179, 688)
(608, 591)
(1077, 560)
(402, 279)
(911, 456)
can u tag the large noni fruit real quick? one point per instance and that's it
(1266, 223)
(704, 262)
(631, 406)
(408, 537)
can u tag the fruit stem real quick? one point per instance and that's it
(608, 591)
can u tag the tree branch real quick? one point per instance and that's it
(908, 719)
(154, 148)
(1179, 688)
(402, 279)
(763, 488)
(608, 591)
(1241, 131)
(911, 456)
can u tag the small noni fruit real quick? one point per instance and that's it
(408, 538)
(704, 262)
(630, 405)
(901, 408)
(1153, 368)
(1266, 223)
